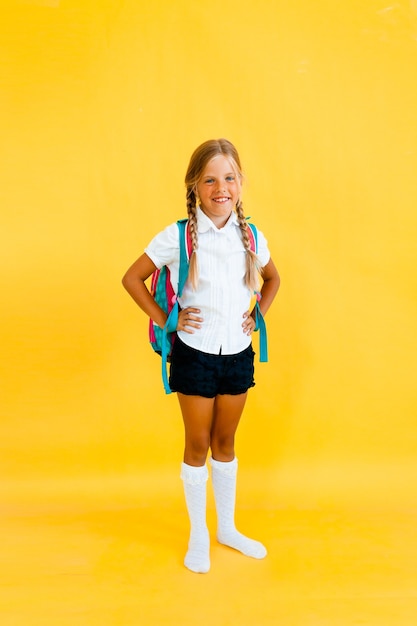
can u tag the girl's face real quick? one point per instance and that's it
(218, 189)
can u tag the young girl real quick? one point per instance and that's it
(212, 360)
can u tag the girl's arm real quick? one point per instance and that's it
(271, 282)
(268, 292)
(134, 283)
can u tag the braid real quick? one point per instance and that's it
(253, 266)
(192, 225)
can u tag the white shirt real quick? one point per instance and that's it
(221, 295)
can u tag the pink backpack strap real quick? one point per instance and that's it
(188, 240)
(252, 237)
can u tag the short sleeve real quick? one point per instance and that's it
(263, 251)
(164, 247)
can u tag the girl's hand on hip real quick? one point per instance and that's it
(188, 319)
(248, 324)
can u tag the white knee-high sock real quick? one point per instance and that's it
(197, 558)
(224, 477)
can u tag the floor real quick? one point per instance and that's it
(109, 551)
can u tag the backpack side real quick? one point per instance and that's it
(259, 318)
(164, 294)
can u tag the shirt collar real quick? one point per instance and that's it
(205, 223)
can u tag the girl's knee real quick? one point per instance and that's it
(223, 447)
(196, 451)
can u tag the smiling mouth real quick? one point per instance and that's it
(221, 200)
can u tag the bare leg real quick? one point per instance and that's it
(197, 414)
(227, 412)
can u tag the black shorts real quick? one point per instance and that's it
(196, 373)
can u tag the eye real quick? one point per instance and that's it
(209, 181)
(230, 178)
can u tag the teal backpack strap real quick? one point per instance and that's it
(261, 326)
(172, 320)
(259, 318)
(185, 253)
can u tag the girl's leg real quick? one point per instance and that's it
(226, 416)
(228, 410)
(197, 415)
(197, 558)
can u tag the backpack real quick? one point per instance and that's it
(162, 339)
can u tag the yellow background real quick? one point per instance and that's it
(102, 103)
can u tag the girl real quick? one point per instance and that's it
(212, 360)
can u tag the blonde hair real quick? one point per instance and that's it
(199, 159)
